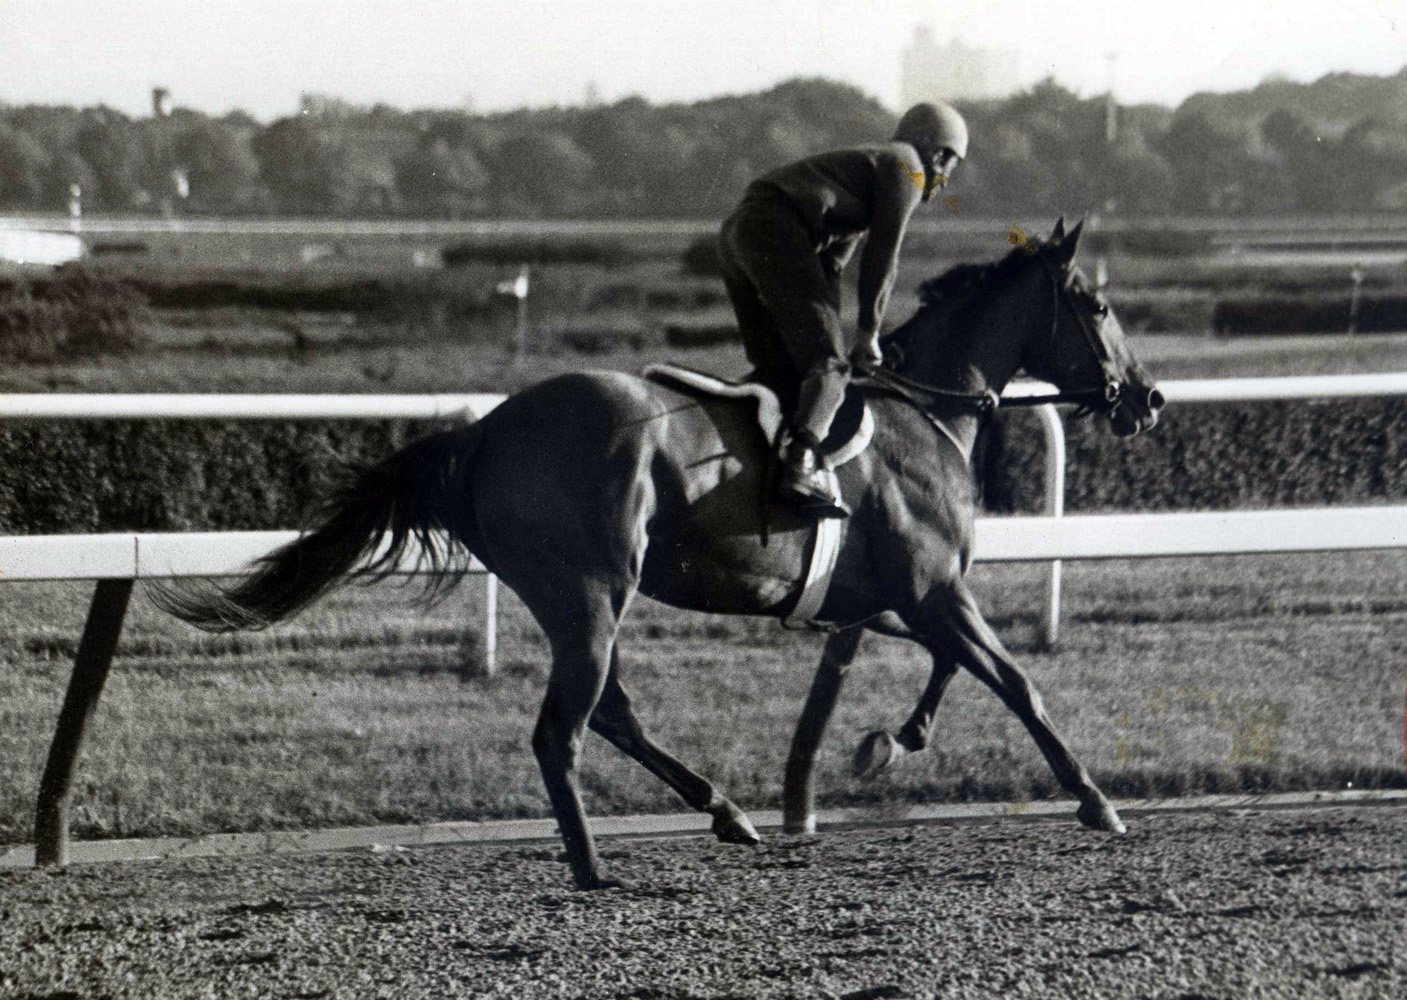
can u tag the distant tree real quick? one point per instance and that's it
(1213, 169)
(621, 140)
(442, 179)
(220, 165)
(306, 166)
(1136, 178)
(1303, 159)
(1012, 177)
(24, 169)
(1371, 163)
(541, 170)
(121, 157)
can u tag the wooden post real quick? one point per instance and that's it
(85, 687)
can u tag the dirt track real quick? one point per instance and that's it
(1283, 904)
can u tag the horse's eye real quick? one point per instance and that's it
(1101, 309)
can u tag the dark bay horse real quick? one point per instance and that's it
(588, 488)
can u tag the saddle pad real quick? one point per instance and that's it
(769, 407)
(838, 449)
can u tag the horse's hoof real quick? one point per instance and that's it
(1100, 815)
(596, 882)
(731, 826)
(799, 827)
(876, 752)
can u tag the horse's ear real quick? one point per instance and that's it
(1058, 233)
(1064, 249)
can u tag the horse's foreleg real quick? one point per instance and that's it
(879, 749)
(976, 647)
(614, 719)
(798, 798)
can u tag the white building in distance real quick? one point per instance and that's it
(954, 72)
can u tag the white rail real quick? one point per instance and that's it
(430, 406)
(1204, 390)
(169, 555)
(1146, 536)
(235, 406)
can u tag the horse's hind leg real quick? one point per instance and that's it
(614, 719)
(798, 795)
(959, 626)
(579, 667)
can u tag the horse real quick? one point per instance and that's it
(588, 488)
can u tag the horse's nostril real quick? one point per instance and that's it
(1155, 400)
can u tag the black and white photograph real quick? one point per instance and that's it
(703, 499)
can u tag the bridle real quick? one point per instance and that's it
(1100, 399)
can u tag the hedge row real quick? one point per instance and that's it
(595, 252)
(95, 476)
(179, 476)
(1211, 456)
(73, 314)
(1377, 312)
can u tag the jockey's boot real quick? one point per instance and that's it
(803, 482)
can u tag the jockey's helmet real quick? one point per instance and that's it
(939, 134)
(930, 128)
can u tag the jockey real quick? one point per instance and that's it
(783, 250)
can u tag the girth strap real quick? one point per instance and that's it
(820, 567)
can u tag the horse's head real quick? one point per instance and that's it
(1084, 353)
(979, 324)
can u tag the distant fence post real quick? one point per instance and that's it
(1054, 433)
(518, 288)
(1356, 276)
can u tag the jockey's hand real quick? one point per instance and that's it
(867, 353)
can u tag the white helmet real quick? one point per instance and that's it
(931, 128)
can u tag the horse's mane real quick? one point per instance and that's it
(961, 279)
(958, 285)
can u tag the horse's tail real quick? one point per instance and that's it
(420, 494)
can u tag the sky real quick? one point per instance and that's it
(261, 55)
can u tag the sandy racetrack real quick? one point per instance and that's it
(1282, 904)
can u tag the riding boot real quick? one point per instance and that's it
(802, 480)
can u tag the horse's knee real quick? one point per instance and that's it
(555, 745)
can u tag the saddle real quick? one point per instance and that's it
(849, 436)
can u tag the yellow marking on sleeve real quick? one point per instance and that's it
(919, 178)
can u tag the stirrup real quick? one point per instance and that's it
(811, 499)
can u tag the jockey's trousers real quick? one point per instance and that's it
(787, 302)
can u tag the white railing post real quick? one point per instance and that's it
(490, 624)
(1054, 433)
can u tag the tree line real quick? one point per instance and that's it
(1336, 145)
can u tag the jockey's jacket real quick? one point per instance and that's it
(840, 196)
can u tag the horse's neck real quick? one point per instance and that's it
(970, 354)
